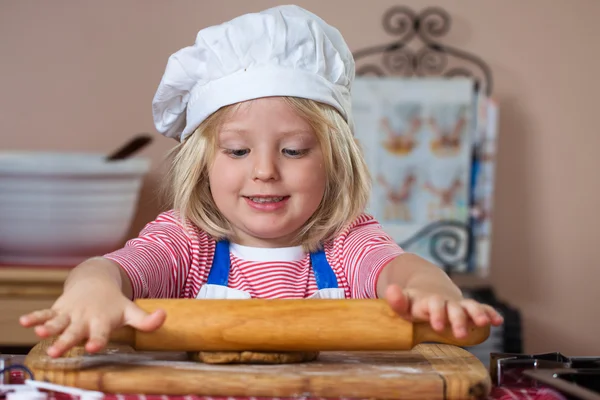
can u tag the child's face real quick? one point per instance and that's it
(268, 175)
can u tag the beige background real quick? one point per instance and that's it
(80, 75)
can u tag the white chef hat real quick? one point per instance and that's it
(282, 51)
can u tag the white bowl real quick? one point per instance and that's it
(62, 208)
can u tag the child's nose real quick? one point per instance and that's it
(265, 169)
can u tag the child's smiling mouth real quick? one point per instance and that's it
(266, 202)
(266, 199)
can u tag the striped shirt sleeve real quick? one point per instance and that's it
(158, 260)
(364, 250)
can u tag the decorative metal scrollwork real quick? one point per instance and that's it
(431, 59)
(449, 243)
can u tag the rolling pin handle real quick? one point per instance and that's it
(424, 333)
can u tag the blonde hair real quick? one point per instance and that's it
(346, 191)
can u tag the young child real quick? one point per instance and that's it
(268, 188)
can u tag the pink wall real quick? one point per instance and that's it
(80, 75)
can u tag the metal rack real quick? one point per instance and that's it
(417, 53)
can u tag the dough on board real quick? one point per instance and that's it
(252, 357)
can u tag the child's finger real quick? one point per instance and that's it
(139, 319)
(398, 301)
(477, 312)
(420, 309)
(437, 313)
(72, 336)
(494, 316)
(98, 336)
(36, 317)
(53, 326)
(458, 319)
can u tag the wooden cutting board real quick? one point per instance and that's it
(428, 371)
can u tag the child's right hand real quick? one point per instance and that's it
(89, 310)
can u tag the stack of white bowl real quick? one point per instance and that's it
(62, 208)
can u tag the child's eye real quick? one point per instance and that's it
(294, 153)
(236, 153)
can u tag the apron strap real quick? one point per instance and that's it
(219, 272)
(324, 274)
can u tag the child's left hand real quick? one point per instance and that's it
(440, 310)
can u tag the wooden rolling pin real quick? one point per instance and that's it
(285, 325)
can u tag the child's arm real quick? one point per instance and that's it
(418, 289)
(410, 271)
(95, 300)
(97, 295)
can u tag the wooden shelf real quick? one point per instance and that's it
(27, 274)
(24, 289)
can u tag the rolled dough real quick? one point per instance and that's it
(252, 357)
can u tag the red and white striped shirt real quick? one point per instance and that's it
(166, 261)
